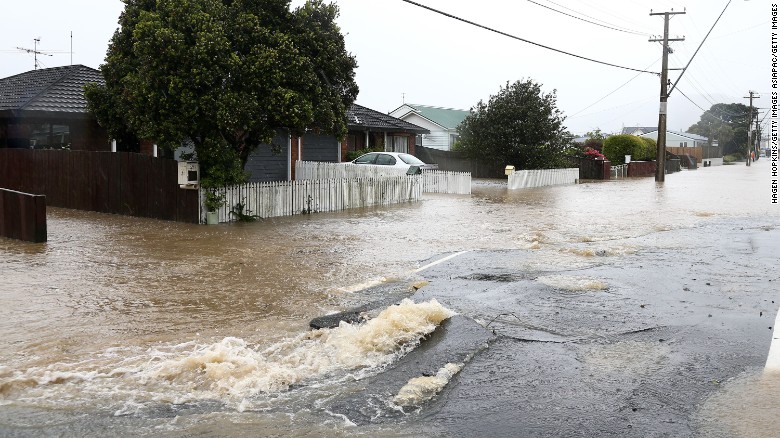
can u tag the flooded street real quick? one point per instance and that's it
(128, 326)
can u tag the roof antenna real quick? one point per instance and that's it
(71, 47)
(35, 51)
(403, 98)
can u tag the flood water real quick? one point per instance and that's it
(122, 325)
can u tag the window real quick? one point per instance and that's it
(397, 143)
(410, 159)
(385, 160)
(366, 159)
(453, 139)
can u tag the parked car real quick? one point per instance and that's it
(392, 159)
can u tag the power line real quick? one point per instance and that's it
(613, 91)
(587, 21)
(593, 18)
(697, 49)
(691, 101)
(521, 39)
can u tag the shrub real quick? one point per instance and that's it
(650, 149)
(617, 147)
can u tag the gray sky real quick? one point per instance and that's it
(408, 53)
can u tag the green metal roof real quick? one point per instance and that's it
(448, 117)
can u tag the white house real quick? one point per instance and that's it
(676, 142)
(678, 139)
(442, 122)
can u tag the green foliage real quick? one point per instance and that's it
(241, 215)
(596, 135)
(650, 149)
(213, 200)
(225, 74)
(731, 158)
(520, 126)
(726, 123)
(617, 147)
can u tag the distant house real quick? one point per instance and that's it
(677, 139)
(685, 143)
(46, 109)
(638, 130)
(369, 129)
(366, 129)
(441, 122)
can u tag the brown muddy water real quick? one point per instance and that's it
(121, 325)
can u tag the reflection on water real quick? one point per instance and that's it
(105, 286)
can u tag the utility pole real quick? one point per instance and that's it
(753, 95)
(660, 168)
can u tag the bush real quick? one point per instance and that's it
(618, 146)
(650, 150)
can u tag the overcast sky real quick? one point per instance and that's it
(406, 53)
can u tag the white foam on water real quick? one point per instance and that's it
(231, 370)
(421, 389)
(572, 283)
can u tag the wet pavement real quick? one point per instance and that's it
(615, 308)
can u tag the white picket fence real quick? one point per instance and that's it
(439, 181)
(523, 179)
(433, 181)
(287, 198)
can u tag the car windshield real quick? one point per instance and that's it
(365, 159)
(410, 159)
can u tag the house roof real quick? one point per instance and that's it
(360, 117)
(682, 134)
(448, 118)
(641, 129)
(58, 90)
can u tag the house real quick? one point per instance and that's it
(637, 130)
(441, 122)
(366, 129)
(46, 109)
(685, 143)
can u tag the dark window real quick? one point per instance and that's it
(366, 159)
(385, 160)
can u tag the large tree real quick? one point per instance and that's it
(519, 126)
(725, 123)
(225, 74)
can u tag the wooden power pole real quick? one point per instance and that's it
(661, 146)
(753, 95)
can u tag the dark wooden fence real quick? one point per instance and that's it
(108, 182)
(22, 216)
(455, 162)
(594, 169)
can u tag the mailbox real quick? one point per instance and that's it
(508, 170)
(189, 174)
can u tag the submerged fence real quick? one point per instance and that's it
(523, 179)
(620, 171)
(433, 181)
(288, 198)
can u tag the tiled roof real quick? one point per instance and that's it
(642, 129)
(58, 89)
(449, 118)
(682, 134)
(360, 117)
